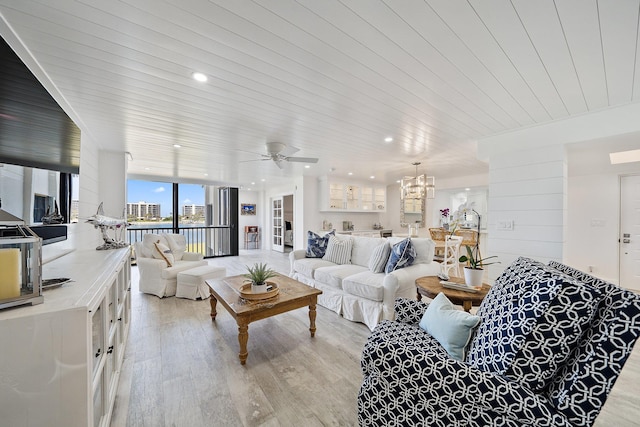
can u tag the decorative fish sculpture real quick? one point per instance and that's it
(104, 223)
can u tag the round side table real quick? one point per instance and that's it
(430, 287)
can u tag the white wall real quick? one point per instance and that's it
(529, 184)
(249, 197)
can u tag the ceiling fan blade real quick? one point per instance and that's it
(253, 160)
(288, 150)
(302, 159)
(278, 163)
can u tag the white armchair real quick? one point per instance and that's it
(159, 271)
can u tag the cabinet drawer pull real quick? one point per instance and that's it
(99, 351)
(110, 350)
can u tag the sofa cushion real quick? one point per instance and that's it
(450, 326)
(555, 335)
(402, 255)
(593, 367)
(163, 251)
(333, 275)
(379, 257)
(362, 249)
(510, 311)
(316, 244)
(365, 284)
(307, 266)
(339, 250)
(178, 245)
(172, 272)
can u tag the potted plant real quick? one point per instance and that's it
(258, 275)
(473, 271)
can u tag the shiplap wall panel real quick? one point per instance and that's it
(581, 24)
(619, 23)
(533, 234)
(482, 45)
(507, 28)
(437, 49)
(542, 24)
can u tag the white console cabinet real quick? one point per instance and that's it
(60, 360)
(337, 196)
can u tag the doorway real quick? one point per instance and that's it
(287, 205)
(277, 225)
(629, 237)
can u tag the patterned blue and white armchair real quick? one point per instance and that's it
(549, 347)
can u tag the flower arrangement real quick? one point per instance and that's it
(473, 260)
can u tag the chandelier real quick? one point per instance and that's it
(418, 186)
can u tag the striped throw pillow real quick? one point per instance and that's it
(339, 250)
(379, 258)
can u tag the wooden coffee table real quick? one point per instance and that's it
(430, 287)
(292, 295)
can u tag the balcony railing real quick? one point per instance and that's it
(210, 241)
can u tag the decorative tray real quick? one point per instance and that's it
(54, 283)
(458, 286)
(245, 292)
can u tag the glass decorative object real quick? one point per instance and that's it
(20, 265)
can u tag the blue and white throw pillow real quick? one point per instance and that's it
(379, 258)
(402, 255)
(316, 244)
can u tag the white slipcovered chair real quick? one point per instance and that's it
(160, 258)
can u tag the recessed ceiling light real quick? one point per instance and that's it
(248, 189)
(467, 189)
(253, 183)
(624, 157)
(399, 181)
(206, 174)
(147, 169)
(177, 145)
(307, 166)
(388, 139)
(263, 180)
(350, 173)
(199, 77)
(372, 177)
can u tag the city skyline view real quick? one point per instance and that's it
(161, 192)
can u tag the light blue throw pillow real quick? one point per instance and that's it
(402, 255)
(452, 327)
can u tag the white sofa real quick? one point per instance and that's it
(354, 291)
(156, 277)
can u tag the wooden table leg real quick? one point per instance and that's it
(418, 296)
(213, 301)
(466, 306)
(243, 338)
(312, 317)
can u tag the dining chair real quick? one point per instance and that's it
(451, 255)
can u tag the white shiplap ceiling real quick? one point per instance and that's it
(332, 78)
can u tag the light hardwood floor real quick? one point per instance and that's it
(182, 370)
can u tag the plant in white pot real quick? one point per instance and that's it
(258, 275)
(474, 271)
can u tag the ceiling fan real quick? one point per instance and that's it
(279, 152)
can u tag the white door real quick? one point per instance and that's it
(630, 232)
(277, 229)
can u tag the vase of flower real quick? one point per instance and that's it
(473, 277)
(474, 271)
(258, 275)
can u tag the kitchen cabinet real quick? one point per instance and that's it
(61, 360)
(337, 196)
